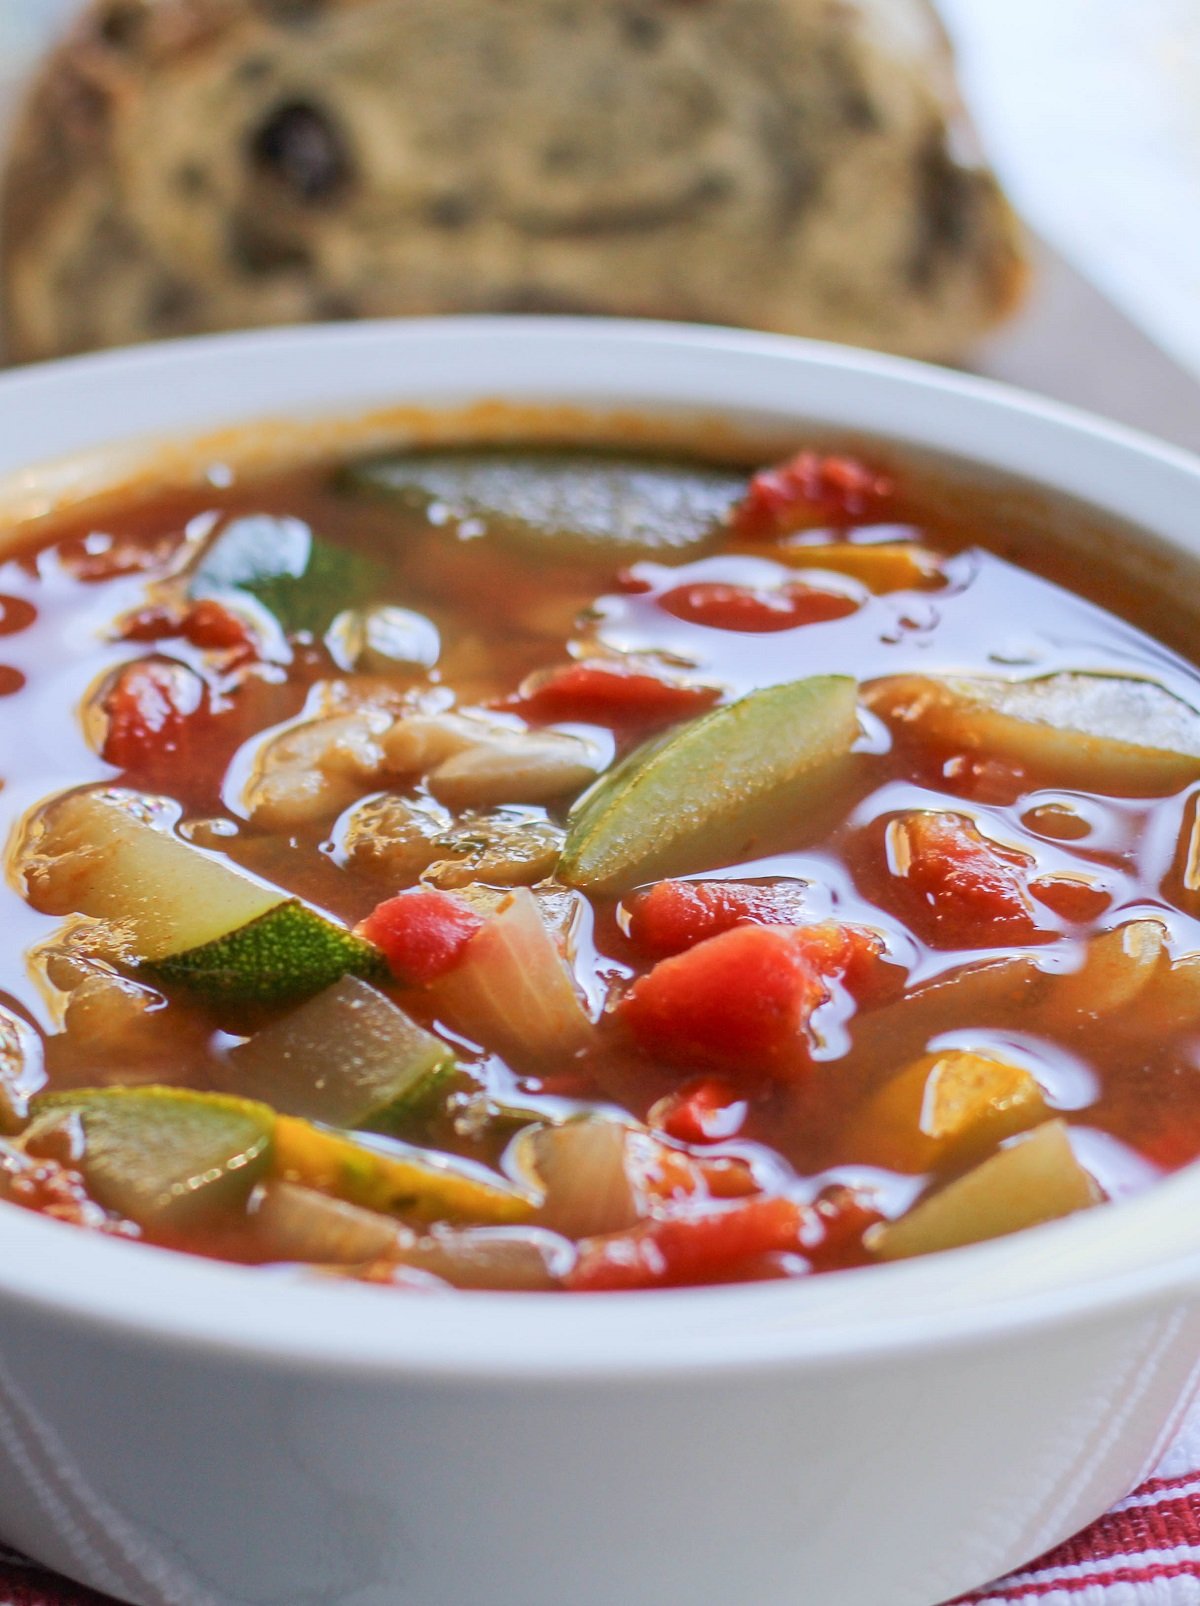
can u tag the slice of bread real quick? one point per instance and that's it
(798, 165)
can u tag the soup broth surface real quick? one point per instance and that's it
(629, 872)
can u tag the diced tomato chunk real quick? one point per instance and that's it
(610, 693)
(633, 583)
(841, 1215)
(683, 1249)
(740, 1001)
(1071, 900)
(1172, 1142)
(662, 1173)
(673, 915)
(810, 489)
(970, 892)
(703, 1112)
(851, 953)
(154, 706)
(729, 607)
(728, 1176)
(208, 623)
(150, 624)
(422, 932)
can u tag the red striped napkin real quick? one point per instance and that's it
(1145, 1552)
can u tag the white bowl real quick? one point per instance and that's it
(187, 1434)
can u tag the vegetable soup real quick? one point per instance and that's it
(560, 869)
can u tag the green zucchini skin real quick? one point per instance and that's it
(348, 1057)
(554, 505)
(675, 804)
(166, 1158)
(284, 956)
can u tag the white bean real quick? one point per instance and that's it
(316, 769)
(517, 767)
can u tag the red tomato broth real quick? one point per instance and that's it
(797, 1131)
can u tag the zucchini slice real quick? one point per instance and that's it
(288, 953)
(164, 1157)
(348, 1057)
(170, 1159)
(103, 854)
(1101, 732)
(395, 1178)
(184, 916)
(551, 501)
(676, 804)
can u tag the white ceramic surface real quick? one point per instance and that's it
(185, 1434)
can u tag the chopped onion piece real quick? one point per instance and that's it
(515, 1258)
(290, 1222)
(513, 991)
(582, 1169)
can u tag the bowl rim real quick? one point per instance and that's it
(1062, 1273)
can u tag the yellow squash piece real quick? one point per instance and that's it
(1171, 1000)
(393, 1177)
(1104, 732)
(887, 566)
(1035, 1179)
(950, 1104)
(1118, 967)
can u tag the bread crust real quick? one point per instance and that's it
(182, 166)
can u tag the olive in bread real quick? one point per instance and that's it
(798, 165)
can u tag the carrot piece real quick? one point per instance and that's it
(683, 1249)
(422, 932)
(609, 693)
(729, 607)
(740, 1001)
(965, 889)
(154, 707)
(810, 489)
